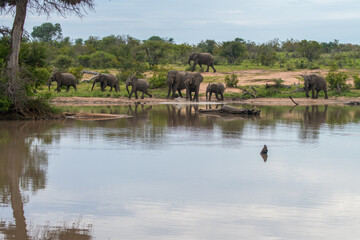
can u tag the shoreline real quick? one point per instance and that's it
(93, 101)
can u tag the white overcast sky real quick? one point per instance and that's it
(222, 20)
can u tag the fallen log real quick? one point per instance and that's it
(232, 110)
(353, 103)
(90, 72)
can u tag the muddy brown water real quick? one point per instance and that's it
(169, 172)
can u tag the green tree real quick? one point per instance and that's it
(15, 88)
(155, 50)
(233, 51)
(209, 46)
(267, 55)
(47, 32)
(310, 49)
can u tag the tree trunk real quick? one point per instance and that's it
(16, 35)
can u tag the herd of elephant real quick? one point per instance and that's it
(178, 81)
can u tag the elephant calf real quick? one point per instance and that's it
(314, 83)
(217, 88)
(141, 85)
(106, 80)
(63, 79)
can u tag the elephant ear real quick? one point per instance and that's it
(57, 75)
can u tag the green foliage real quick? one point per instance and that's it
(231, 81)
(5, 104)
(77, 72)
(156, 50)
(47, 32)
(63, 62)
(337, 80)
(40, 76)
(267, 55)
(233, 51)
(310, 49)
(209, 46)
(159, 78)
(102, 59)
(356, 81)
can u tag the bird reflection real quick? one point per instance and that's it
(264, 152)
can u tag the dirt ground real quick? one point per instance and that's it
(247, 77)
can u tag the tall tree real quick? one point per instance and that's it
(47, 32)
(20, 9)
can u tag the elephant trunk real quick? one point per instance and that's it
(207, 95)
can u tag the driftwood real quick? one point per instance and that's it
(232, 110)
(89, 72)
(88, 80)
(253, 93)
(353, 103)
(293, 101)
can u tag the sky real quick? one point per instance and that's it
(222, 20)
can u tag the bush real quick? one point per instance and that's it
(159, 78)
(77, 72)
(63, 62)
(84, 60)
(40, 76)
(102, 59)
(356, 81)
(5, 104)
(231, 81)
(337, 80)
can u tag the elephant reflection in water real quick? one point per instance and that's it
(314, 118)
(183, 116)
(23, 167)
(139, 117)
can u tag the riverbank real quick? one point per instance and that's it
(93, 101)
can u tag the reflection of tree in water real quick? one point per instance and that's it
(23, 166)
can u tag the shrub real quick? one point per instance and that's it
(84, 60)
(356, 81)
(231, 81)
(40, 76)
(289, 66)
(5, 104)
(159, 78)
(77, 72)
(102, 59)
(337, 81)
(63, 62)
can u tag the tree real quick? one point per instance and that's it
(310, 49)
(233, 51)
(47, 32)
(209, 46)
(15, 89)
(155, 49)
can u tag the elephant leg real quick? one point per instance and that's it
(111, 89)
(217, 96)
(187, 93)
(179, 91)
(148, 94)
(67, 88)
(197, 93)
(136, 96)
(169, 91)
(317, 94)
(194, 65)
(75, 88)
(210, 93)
(213, 68)
(142, 95)
(313, 93)
(326, 96)
(207, 69)
(131, 94)
(222, 96)
(307, 94)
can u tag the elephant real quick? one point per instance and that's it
(192, 84)
(217, 88)
(63, 79)
(175, 82)
(314, 82)
(141, 85)
(106, 80)
(202, 58)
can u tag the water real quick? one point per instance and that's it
(171, 173)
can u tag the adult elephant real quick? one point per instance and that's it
(192, 84)
(175, 81)
(63, 79)
(217, 88)
(202, 58)
(141, 85)
(106, 80)
(314, 83)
